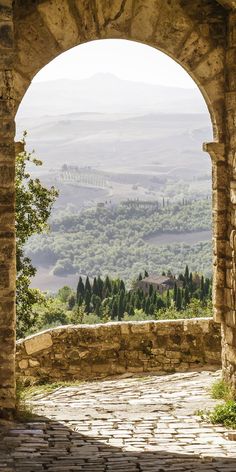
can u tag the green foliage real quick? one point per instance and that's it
(50, 312)
(138, 315)
(64, 294)
(117, 302)
(220, 390)
(224, 414)
(23, 411)
(195, 309)
(78, 314)
(114, 240)
(33, 208)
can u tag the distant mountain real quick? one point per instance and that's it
(106, 93)
(116, 126)
(122, 143)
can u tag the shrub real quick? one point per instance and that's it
(224, 414)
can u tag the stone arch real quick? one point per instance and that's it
(201, 36)
(193, 35)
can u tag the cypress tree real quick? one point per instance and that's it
(147, 306)
(100, 287)
(121, 300)
(186, 274)
(95, 286)
(131, 311)
(137, 303)
(98, 303)
(154, 297)
(87, 286)
(80, 300)
(179, 299)
(87, 300)
(207, 287)
(107, 284)
(190, 283)
(133, 299)
(168, 299)
(150, 292)
(114, 287)
(80, 289)
(114, 309)
(175, 293)
(202, 289)
(186, 297)
(93, 300)
(160, 303)
(122, 285)
(145, 273)
(151, 309)
(140, 276)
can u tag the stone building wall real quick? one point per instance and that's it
(88, 352)
(228, 318)
(7, 210)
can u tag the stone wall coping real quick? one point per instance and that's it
(82, 352)
(181, 321)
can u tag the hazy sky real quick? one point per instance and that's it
(125, 59)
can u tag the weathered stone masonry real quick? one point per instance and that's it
(201, 36)
(89, 352)
(7, 241)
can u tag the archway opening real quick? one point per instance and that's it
(125, 152)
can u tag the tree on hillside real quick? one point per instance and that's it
(95, 286)
(80, 290)
(107, 285)
(87, 300)
(179, 299)
(33, 207)
(87, 286)
(64, 293)
(186, 274)
(100, 285)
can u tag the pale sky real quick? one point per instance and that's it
(127, 60)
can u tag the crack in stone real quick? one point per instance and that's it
(118, 14)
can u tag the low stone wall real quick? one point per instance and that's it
(87, 352)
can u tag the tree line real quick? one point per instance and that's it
(111, 297)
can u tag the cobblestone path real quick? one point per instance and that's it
(131, 424)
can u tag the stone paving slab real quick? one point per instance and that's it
(138, 424)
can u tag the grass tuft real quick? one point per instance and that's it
(224, 414)
(220, 390)
(23, 410)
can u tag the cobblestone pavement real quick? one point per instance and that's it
(131, 424)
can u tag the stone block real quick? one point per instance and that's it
(38, 343)
(4, 277)
(23, 364)
(6, 34)
(125, 328)
(63, 26)
(212, 65)
(33, 363)
(141, 327)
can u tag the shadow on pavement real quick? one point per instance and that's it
(43, 444)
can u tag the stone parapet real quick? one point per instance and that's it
(94, 351)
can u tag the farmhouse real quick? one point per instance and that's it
(160, 283)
